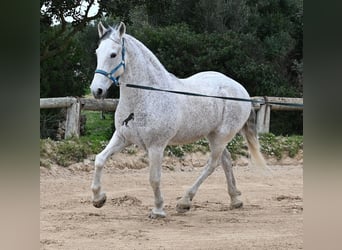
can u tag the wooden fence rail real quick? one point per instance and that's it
(75, 105)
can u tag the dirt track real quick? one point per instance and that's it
(272, 216)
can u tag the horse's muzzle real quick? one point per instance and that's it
(98, 93)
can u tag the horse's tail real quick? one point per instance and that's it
(250, 134)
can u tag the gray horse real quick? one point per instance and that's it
(152, 120)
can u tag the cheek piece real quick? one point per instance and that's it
(110, 74)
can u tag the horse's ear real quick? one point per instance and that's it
(101, 29)
(122, 29)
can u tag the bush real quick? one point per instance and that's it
(271, 145)
(278, 146)
(74, 150)
(65, 74)
(71, 151)
(240, 56)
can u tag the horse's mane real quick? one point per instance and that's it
(151, 61)
(147, 52)
(140, 50)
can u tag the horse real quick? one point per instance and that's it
(152, 120)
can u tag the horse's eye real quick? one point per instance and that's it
(112, 55)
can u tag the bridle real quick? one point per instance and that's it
(110, 75)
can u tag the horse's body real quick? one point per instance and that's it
(153, 120)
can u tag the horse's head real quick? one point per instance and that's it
(110, 59)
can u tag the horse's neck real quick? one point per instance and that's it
(143, 67)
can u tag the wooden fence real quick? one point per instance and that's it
(75, 105)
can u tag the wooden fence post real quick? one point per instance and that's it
(72, 124)
(263, 119)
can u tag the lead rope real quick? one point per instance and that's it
(263, 102)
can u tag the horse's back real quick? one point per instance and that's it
(213, 83)
(204, 115)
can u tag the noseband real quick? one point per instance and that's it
(110, 75)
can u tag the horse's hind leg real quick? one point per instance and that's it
(184, 204)
(228, 170)
(155, 155)
(115, 144)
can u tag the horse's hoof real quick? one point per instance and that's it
(236, 204)
(100, 202)
(157, 213)
(182, 210)
(183, 205)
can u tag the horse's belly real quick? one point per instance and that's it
(196, 125)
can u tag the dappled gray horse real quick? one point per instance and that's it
(153, 120)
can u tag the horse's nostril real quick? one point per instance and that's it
(99, 91)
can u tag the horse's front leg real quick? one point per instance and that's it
(155, 161)
(115, 144)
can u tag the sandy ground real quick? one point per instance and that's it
(271, 218)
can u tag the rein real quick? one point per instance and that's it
(110, 75)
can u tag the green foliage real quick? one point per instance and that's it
(73, 150)
(286, 123)
(42, 146)
(49, 122)
(237, 147)
(63, 152)
(177, 151)
(293, 145)
(67, 19)
(98, 131)
(180, 150)
(62, 75)
(271, 145)
(240, 56)
(70, 151)
(279, 145)
(259, 43)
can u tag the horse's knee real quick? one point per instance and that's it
(99, 161)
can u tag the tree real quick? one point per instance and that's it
(71, 18)
(257, 42)
(61, 58)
